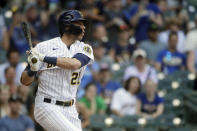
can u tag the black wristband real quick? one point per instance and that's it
(50, 60)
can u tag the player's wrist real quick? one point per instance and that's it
(50, 60)
(31, 73)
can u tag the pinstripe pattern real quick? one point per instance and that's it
(55, 83)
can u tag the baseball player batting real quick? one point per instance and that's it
(59, 69)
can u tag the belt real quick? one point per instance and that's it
(61, 103)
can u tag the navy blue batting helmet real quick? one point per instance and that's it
(65, 22)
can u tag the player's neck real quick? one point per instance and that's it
(68, 40)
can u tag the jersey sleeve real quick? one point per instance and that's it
(88, 51)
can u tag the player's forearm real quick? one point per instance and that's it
(26, 79)
(68, 63)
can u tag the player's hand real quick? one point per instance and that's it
(33, 66)
(34, 51)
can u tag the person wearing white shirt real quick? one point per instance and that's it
(173, 25)
(140, 69)
(13, 60)
(124, 100)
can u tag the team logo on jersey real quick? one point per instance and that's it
(87, 49)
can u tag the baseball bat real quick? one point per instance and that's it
(27, 34)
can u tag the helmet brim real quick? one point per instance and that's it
(80, 19)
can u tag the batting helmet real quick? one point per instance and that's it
(65, 22)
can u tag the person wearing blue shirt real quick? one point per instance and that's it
(105, 86)
(149, 104)
(15, 121)
(140, 16)
(17, 38)
(170, 60)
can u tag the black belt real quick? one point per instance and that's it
(61, 103)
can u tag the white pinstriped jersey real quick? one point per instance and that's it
(56, 82)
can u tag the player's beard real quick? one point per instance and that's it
(80, 37)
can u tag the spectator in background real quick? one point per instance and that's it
(14, 121)
(163, 7)
(149, 104)
(124, 100)
(191, 39)
(32, 16)
(152, 46)
(173, 25)
(91, 11)
(128, 4)
(105, 85)
(123, 48)
(10, 76)
(23, 91)
(140, 16)
(46, 28)
(114, 19)
(191, 49)
(192, 61)
(171, 60)
(93, 104)
(16, 34)
(4, 39)
(4, 96)
(13, 60)
(100, 36)
(140, 68)
(42, 4)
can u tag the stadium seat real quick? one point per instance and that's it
(113, 129)
(129, 122)
(164, 121)
(97, 121)
(146, 129)
(180, 129)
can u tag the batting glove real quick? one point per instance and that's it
(34, 51)
(34, 66)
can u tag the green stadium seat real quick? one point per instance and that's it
(146, 129)
(113, 129)
(97, 121)
(129, 122)
(180, 129)
(164, 121)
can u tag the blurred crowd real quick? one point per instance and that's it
(133, 40)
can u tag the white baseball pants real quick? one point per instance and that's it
(56, 118)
